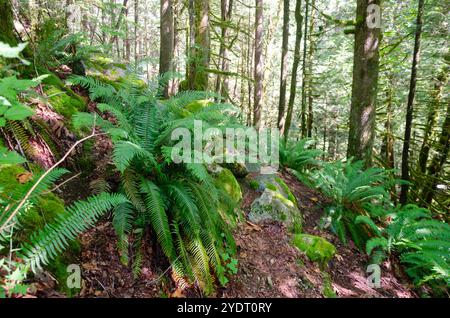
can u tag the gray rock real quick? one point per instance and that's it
(273, 206)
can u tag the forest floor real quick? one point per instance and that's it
(269, 266)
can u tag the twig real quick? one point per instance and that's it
(25, 198)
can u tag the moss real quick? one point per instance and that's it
(64, 104)
(327, 290)
(58, 267)
(271, 186)
(226, 181)
(53, 80)
(316, 248)
(47, 207)
(286, 189)
(254, 184)
(8, 177)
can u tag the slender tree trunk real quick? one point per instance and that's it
(387, 146)
(127, 37)
(7, 23)
(364, 87)
(310, 119)
(438, 160)
(428, 137)
(293, 90)
(410, 106)
(284, 65)
(176, 43)
(116, 26)
(166, 42)
(136, 25)
(259, 64)
(222, 85)
(304, 130)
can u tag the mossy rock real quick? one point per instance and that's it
(315, 247)
(238, 169)
(275, 183)
(274, 206)
(63, 103)
(225, 180)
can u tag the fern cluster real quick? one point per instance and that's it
(187, 211)
(350, 186)
(422, 242)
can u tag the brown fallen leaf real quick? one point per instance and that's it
(24, 177)
(253, 226)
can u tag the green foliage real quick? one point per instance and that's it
(350, 187)
(422, 242)
(299, 156)
(181, 202)
(54, 238)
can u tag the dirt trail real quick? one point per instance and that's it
(269, 266)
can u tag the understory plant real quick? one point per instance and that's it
(421, 242)
(188, 212)
(350, 186)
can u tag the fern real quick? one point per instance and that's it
(179, 202)
(125, 151)
(158, 217)
(47, 243)
(123, 224)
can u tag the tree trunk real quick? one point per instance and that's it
(438, 161)
(166, 42)
(119, 21)
(293, 90)
(176, 43)
(259, 64)
(428, 137)
(7, 24)
(364, 87)
(136, 23)
(410, 106)
(387, 146)
(309, 123)
(200, 51)
(284, 64)
(222, 85)
(303, 109)
(127, 38)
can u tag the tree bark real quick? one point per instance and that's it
(303, 109)
(222, 85)
(310, 120)
(387, 146)
(7, 24)
(136, 23)
(166, 42)
(200, 51)
(428, 137)
(259, 64)
(364, 87)
(410, 105)
(438, 160)
(119, 21)
(293, 90)
(284, 64)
